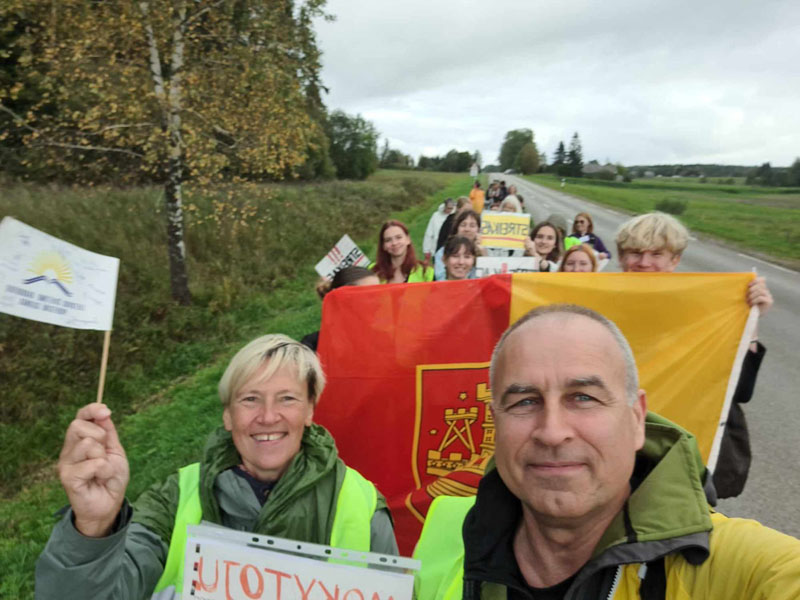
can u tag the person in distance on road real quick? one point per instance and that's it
(269, 470)
(545, 245)
(459, 258)
(397, 262)
(579, 259)
(560, 222)
(348, 276)
(492, 195)
(654, 243)
(589, 495)
(583, 231)
(512, 191)
(477, 197)
(435, 223)
(462, 204)
(503, 191)
(511, 204)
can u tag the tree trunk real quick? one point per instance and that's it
(179, 280)
(170, 108)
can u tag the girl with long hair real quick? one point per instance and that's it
(396, 261)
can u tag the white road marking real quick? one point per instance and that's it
(774, 266)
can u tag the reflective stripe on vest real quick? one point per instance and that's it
(355, 506)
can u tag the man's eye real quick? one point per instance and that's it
(584, 398)
(524, 406)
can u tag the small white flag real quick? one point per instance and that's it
(47, 279)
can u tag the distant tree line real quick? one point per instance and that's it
(455, 161)
(391, 158)
(771, 176)
(765, 175)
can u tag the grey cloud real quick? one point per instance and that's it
(641, 81)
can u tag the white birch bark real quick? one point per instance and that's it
(168, 94)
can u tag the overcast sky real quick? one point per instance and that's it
(643, 82)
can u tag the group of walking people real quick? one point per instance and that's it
(571, 453)
(452, 238)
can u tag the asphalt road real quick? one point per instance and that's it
(772, 493)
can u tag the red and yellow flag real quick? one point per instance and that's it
(408, 367)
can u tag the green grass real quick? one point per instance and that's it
(166, 360)
(764, 220)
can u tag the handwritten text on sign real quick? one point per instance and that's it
(219, 570)
(344, 254)
(489, 265)
(504, 230)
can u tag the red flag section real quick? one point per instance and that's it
(387, 404)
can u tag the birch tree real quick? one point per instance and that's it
(163, 90)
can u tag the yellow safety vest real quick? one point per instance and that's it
(355, 506)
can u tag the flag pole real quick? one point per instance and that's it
(103, 363)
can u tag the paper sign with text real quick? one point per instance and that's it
(504, 230)
(493, 265)
(344, 254)
(218, 566)
(47, 279)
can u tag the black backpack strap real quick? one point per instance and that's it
(654, 584)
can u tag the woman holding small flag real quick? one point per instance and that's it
(269, 470)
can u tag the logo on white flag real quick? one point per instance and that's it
(51, 268)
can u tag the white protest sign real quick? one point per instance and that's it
(47, 279)
(493, 265)
(221, 564)
(344, 254)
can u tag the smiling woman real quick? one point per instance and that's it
(459, 257)
(396, 261)
(269, 470)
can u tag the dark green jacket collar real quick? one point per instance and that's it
(302, 503)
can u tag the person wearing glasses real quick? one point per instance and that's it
(583, 230)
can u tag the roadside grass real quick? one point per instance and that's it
(162, 385)
(764, 220)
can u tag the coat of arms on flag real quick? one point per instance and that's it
(453, 432)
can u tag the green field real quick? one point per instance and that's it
(251, 270)
(759, 219)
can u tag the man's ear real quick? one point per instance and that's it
(639, 413)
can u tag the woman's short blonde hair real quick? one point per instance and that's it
(652, 231)
(513, 202)
(272, 351)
